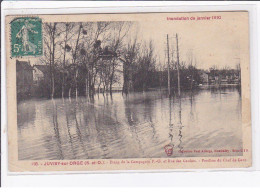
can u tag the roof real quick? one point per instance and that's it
(42, 68)
(25, 65)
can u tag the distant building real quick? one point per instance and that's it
(24, 78)
(223, 77)
(118, 86)
(39, 73)
(118, 83)
(213, 79)
(204, 76)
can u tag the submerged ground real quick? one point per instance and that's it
(139, 125)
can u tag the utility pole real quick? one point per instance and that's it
(169, 76)
(178, 66)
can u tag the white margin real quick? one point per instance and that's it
(166, 177)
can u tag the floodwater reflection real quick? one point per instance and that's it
(138, 125)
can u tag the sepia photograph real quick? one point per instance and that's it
(131, 86)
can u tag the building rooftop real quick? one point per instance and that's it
(42, 68)
(25, 65)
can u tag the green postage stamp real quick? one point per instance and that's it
(26, 36)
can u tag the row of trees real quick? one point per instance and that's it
(83, 57)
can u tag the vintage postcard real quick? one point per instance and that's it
(139, 91)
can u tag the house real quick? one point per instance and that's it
(204, 76)
(39, 73)
(118, 81)
(223, 77)
(24, 79)
(118, 86)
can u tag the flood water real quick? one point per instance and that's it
(139, 125)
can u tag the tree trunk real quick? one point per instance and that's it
(50, 52)
(64, 61)
(74, 61)
(53, 85)
(75, 80)
(70, 92)
(86, 82)
(53, 61)
(125, 84)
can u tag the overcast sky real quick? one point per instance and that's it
(221, 43)
(214, 44)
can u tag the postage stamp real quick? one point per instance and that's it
(26, 36)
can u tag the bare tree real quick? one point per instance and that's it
(75, 52)
(68, 27)
(129, 59)
(51, 41)
(192, 63)
(100, 32)
(147, 61)
(115, 44)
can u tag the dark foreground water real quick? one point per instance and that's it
(136, 126)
